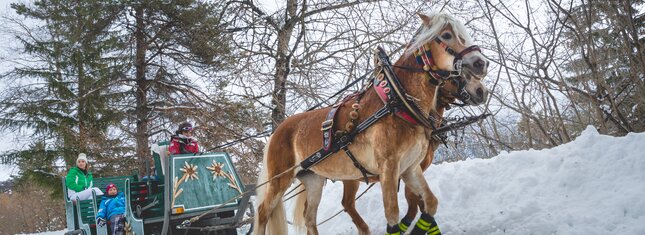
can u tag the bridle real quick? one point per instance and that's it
(437, 76)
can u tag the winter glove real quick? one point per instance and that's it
(100, 222)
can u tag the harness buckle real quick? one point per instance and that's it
(458, 66)
(463, 94)
(327, 124)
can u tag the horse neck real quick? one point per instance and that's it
(416, 83)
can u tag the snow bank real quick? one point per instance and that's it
(593, 185)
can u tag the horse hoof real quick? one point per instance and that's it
(393, 230)
(426, 225)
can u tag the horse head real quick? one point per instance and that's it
(450, 58)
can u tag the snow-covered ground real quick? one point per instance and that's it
(593, 185)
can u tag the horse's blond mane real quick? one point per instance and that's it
(438, 21)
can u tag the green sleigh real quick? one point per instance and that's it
(203, 185)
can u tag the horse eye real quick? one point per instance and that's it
(446, 36)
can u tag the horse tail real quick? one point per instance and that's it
(299, 211)
(261, 190)
(277, 221)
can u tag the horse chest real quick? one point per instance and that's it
(407, 149)
(415, 154)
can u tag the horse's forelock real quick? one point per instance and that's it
(439, 21)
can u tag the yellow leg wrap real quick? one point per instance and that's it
(426, 225)
(434, 230)
(404, 225)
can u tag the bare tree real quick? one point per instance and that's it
(558, 67)
(307, 50)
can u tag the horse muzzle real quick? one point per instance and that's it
(471, 90)
(476, 64)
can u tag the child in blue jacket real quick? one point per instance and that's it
(112, 209)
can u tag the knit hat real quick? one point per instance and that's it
(109, 186)
(81, 156)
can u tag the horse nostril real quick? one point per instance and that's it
(479, 64)
(480, 92)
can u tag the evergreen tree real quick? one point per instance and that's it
(62, 95)
(607, 36)
(175, 44)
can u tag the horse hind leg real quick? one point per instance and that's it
(426, 224)
(271, 217)
(350, 188)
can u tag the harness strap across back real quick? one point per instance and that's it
(328, 126)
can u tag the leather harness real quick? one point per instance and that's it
(395, 101)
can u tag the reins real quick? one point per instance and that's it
(188, 222)
(402, 100)
(438, 134)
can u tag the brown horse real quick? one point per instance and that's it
(350, 189)
(392, 147)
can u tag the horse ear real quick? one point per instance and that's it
(425, 18)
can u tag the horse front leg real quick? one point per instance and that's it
(389, 180)
(350, 187)
(414, 179)
(414, 199)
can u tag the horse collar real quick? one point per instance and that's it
(384, 91)
(391, 92)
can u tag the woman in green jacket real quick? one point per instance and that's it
(79, 180)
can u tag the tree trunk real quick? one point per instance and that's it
(279, 96)
(81, 144)
(141, 134)
(282, 63)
